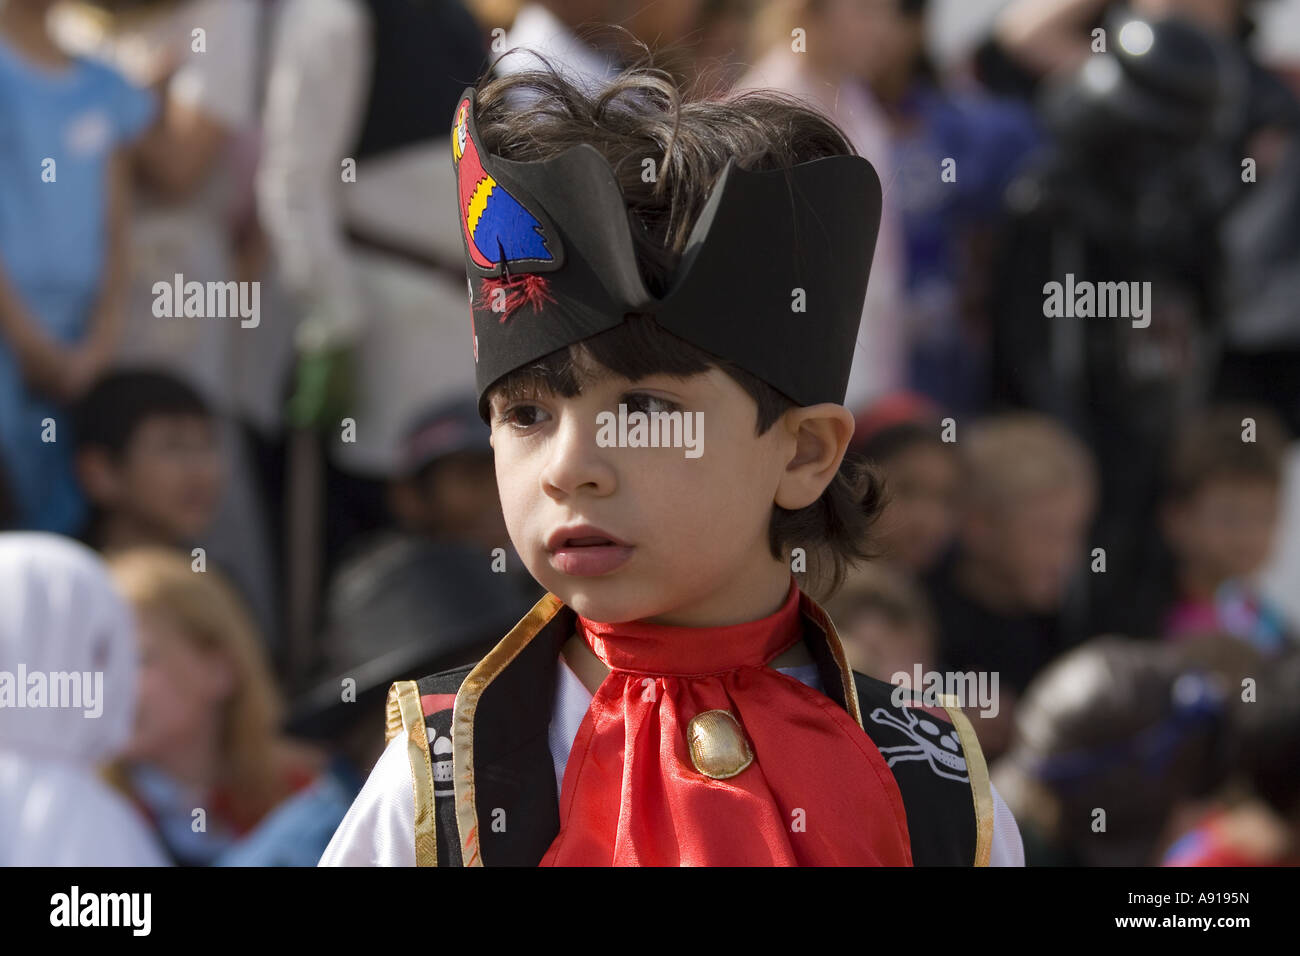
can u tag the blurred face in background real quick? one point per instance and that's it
(168, 480)
(1224, 529)
(455, 498)
(183, 688)
(1032, 546)
(847, 38)
(920, 517)
(900, 40)
(880, 645)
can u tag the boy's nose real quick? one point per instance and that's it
(575, 461)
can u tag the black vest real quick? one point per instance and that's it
(484, 781)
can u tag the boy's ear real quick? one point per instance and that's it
(818, 436)
(98, 475)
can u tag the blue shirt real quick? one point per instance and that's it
(60, 125)
(297, 831)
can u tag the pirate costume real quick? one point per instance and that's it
(693, 750)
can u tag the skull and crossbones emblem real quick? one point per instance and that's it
(440, 752)
(930, 743)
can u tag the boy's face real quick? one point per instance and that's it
(696, 527)
(169, 478)
(1226, 526)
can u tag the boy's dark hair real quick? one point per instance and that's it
(1209, 446)
(642, 114)
(108, 415)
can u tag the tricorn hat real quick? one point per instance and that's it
(772, 277)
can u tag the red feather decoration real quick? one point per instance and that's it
(526, 289)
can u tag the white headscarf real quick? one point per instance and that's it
(67, 643)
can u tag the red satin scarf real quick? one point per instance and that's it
(817, 792)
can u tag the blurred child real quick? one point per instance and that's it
(193, 217)
(206, 731)
(446, 486)
(444, 490)
(59, 615)
(900, 434)
(1028, 493)
(1263, 827)
(148, 459)
(885, 622)
(1109, 743)
(1219, 516)
(63, 159)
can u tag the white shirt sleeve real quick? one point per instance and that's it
(1007, 849)
(379, 827)
(316, 90)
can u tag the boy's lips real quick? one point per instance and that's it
(591, 560)
(586, 550)
(581, 535)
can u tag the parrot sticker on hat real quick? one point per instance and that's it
(504, 239)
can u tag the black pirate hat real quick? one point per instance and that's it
(550, 262)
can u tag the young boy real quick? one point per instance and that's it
(1219, 516)
(675, 698)
(148, 460)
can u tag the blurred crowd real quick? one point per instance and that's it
(233, 339)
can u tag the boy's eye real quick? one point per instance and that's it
(522, 416)
(641, 402)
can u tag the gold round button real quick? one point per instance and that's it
(717, 744)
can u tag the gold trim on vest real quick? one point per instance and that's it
(980, 787)
(467, 699)
(404, 698)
